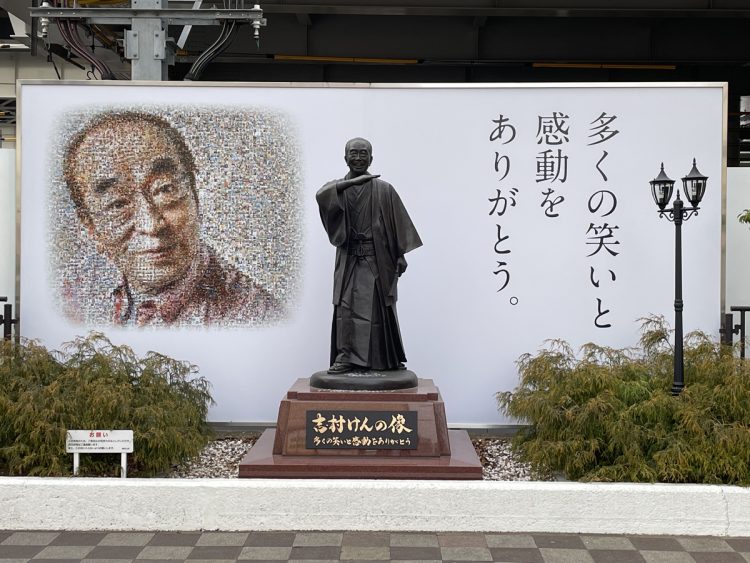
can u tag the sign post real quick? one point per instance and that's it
(100, 442)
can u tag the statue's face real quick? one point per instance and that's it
(358, 157)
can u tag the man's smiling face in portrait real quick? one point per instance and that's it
(134, 188)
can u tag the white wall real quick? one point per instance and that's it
(738, 241)
(18, 66)
(8, 224)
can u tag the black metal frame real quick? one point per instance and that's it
(7, 320)
(729, 329)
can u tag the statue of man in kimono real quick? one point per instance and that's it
(371, 230)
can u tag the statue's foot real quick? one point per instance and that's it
(401, 365)
(341, 367)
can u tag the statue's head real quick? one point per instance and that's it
(358, 155)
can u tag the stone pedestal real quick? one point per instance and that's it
(300, 447)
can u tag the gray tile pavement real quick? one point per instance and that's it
(309, 547)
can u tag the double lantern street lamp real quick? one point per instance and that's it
(694, 186)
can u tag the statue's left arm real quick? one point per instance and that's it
(406, 236)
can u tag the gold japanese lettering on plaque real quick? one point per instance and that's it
(361, 430)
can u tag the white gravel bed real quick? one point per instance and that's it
(221, 459)
(500, 463)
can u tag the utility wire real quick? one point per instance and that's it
(69, 31)
(226, 36)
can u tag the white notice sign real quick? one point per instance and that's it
(99, 441)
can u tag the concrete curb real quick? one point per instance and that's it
(273, 504)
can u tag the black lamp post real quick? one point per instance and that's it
(694, 185)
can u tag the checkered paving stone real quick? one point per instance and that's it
(309, 547)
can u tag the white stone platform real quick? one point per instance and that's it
(274, 504)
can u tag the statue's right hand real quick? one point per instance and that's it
(364, 178)
(342, 185)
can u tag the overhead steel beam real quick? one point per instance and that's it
(490, 11)
(123, 16)
(605, 8)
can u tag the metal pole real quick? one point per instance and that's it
(742, 333)
(147, 44)
(34, 29)
(7, 321)
(727, 329)
(679, 380)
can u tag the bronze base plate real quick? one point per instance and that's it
(368, 380)
(463, 463)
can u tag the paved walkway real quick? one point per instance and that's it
(61, 547)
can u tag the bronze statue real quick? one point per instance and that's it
(371, 230)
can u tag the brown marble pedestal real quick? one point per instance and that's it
(439, 453)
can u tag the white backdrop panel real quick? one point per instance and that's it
(460, 326)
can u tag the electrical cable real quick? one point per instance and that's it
(71, 39)
(69, 31)
(78, 45)
(229, 37)
(226, 36)
(210, 53)
(197, 66)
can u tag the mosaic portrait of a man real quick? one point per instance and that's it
(175, 217)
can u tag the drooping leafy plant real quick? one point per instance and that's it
(608, 414)
(94, 384)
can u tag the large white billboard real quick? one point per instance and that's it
(532, 201)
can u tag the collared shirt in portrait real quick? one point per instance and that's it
(211, 293)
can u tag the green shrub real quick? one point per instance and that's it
(94, 384)
(608, 415)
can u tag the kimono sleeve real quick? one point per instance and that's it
(406, 236)
(332, 214)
